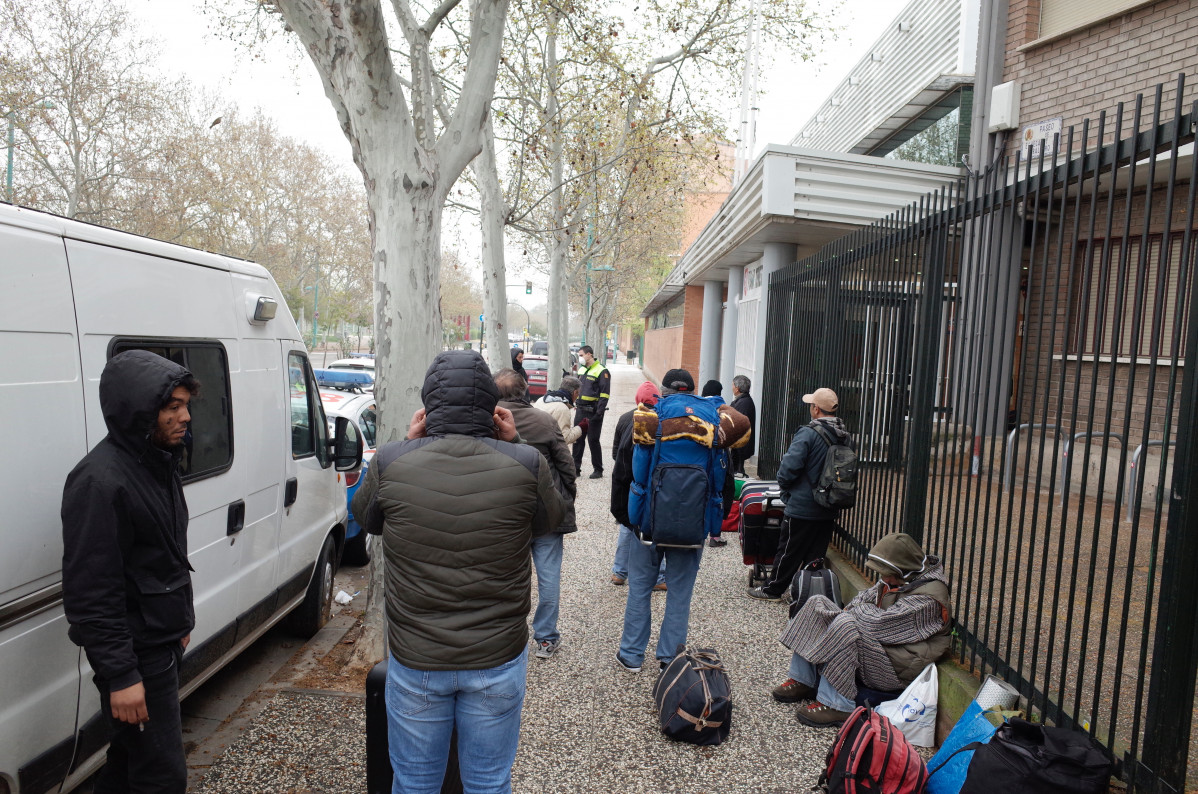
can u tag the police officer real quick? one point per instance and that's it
(590, 407)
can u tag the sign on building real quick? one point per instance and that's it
(1039, 138)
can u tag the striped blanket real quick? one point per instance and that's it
(848, 643)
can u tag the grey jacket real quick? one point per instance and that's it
(457, 511)
(801, 467)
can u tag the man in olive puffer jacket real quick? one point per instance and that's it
(457, 505)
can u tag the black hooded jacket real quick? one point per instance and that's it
(125, 575)
(457, 510)
(517, 366)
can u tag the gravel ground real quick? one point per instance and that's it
(588, 726)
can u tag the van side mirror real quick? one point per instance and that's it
(346, 445)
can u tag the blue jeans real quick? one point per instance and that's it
(682, 566)
(620, 564)
(547, 558)
(805, 672)
(424, 705)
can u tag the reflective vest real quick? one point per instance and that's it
(594, 385)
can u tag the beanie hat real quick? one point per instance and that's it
(896, 554)
(712, 388)
(647, 394)
(678, 380)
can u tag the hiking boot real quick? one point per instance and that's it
(626, 666)
(817, 715)
(791, 691)
(660, 587)
(546, 648)
(715, 543)
(760, 594)
(597, 474)
(618, 580)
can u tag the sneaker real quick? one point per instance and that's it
(791, 691)
(618, 580)
(761, 594)
(546, 648)
(715, 543)
(597, 474)
(817, 715)
(627, 667)
(660, 587)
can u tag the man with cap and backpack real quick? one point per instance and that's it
(675, 502)
(812, 503)
(883, 638)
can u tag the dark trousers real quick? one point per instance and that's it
(592, 436)
(799, 542)
(148, 759)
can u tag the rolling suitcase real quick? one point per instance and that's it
(760, 526)
(378, 759)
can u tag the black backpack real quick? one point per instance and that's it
(814, 578)
(1036, 759)
(836, 488)
(694, 698)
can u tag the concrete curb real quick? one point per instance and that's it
(958, 686)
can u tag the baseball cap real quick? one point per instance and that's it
(678, 380)
(824, 399)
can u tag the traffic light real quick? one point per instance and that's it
(527, 287)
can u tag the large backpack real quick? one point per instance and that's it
(814, 578)
(836, 487)
(683, 502)
(693, 697)
(871, 756)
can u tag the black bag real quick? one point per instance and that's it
(1037, 759)
(379, 775)
(693, 697)
(836, 488)
(814, 578)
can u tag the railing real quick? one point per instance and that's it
(1052, 294)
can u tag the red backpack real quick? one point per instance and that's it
(871, 756)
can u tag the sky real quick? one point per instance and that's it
(278, 78)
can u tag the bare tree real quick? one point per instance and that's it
(72, 82)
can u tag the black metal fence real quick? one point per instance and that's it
(1010, 355)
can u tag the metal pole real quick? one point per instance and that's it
(315, 306)
(12, 144)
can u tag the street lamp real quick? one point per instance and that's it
(315, 305)
(45, 104)
(527, 320)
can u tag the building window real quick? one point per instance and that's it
(668, 316)
(1111, 317)
(1058, 17)
(208, 448)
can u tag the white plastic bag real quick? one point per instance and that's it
(914, 712)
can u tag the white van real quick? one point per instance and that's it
(262, 478)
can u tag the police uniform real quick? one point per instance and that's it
(592, 405)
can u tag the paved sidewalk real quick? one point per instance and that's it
(588, 726)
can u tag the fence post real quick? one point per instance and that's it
(1175, 649)
(923, 377)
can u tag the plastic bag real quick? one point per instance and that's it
(914, 712)
(972, 727)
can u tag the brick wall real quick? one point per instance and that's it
(663, 352)
(1091, 70)
(692, 329)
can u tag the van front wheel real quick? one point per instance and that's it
(317, 607)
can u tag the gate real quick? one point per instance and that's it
(1004, 351)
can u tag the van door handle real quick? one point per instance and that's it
(236, 517)
(291, 492)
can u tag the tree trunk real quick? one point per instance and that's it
(559, 299)
(493, 211)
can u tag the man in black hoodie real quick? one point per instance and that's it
(806, 527)
(126, 581)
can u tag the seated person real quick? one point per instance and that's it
(883, 638)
